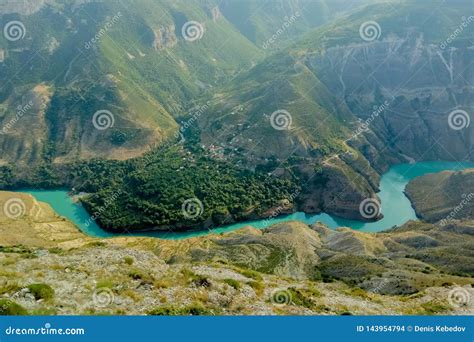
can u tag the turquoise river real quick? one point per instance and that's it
(396, 207)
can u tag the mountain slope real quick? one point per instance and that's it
(287, 269)
(444, 196)
(132, 61)
(272, 24)
(340, 100)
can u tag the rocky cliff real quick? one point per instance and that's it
(418, 82)
(445, 196)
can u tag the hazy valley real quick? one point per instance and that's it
(189, 116)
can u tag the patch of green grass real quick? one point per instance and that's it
(232, 282)
(358, 292)
(128, 260)
(104, 283)
(349, 268)
(163, 283)
(276, 257)
(44, 312)
(9, 287)
(304, 296)
(24, 251)
(41, 291)
(250, 274)
(10, 308)
(257, 286)
(96, 244)
(434, 307)
(195, 309)
(55, 250)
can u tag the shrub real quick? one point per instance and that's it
(250, 274)
(9, 287)
(41, 291)
(163, 283)
(128, 260)
(304, 297)
(10, 308)
(433, 307)
(55, 250)
(104, 283)
(358, 292)
(200, 280)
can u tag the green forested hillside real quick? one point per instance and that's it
(327, 113)
(128, 58)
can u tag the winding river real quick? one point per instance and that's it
(396, 207)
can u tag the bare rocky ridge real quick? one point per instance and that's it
(313, 270)
(421, 84)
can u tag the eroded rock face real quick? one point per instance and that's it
(421, 84)
(338, 189)
(216, 13)
(444, 196)
(165, 37)
(23, 125)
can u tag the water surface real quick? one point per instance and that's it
(396, 207)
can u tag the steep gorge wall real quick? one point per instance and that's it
(420, 82)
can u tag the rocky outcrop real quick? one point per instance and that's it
(339, 189)
(420, 83)
(23, 127)
(216, 13)
(165, 37)
(444, 196)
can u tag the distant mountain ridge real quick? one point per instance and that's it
(127, 58)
